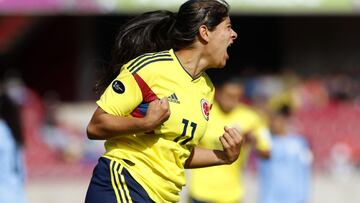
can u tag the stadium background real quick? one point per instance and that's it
(307, 50)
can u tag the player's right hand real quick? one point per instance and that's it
(157, 113)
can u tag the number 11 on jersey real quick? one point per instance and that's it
(193, 128)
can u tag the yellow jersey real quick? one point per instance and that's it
(156, 159)
(220, 184)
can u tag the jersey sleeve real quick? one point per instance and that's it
(263, 139)
(122, 96)
(262, 135)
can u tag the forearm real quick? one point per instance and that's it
(231, 142)
(201, 157)
(103, 126)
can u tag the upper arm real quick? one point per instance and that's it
(122, 96)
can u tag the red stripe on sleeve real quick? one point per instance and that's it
(137, 114)
(147, 93)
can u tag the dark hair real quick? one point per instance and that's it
(9, 112)
(284, 110)
(194, 13)
(161, 30)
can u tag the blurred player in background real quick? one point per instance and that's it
(147, 148)
(11, 155)
(224, 184)
(285, 177)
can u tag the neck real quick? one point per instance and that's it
(193, 61)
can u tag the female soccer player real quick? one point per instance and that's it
(147, 148)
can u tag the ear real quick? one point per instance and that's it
(204, 33)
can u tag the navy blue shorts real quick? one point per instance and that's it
(193, 200)
(112, 183)
(197, 201)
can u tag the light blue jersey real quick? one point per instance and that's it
(11, 168)
(285, 177)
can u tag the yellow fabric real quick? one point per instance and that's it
(154, 159)
(224, 184)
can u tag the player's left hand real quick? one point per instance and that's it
(232, 141)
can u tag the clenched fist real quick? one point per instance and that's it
(158, 112)
(232, 141)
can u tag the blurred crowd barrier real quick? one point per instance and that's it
(56, 142)
(326, 111)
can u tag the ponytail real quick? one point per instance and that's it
(149, 32)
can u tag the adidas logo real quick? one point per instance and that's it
(173, 98)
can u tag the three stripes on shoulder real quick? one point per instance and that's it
(146, 59)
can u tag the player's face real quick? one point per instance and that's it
(221, 39)
(229, 97)
(277, 124)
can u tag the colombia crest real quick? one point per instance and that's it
(205, 108)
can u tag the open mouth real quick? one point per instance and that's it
(229, 46)
(227, 50)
